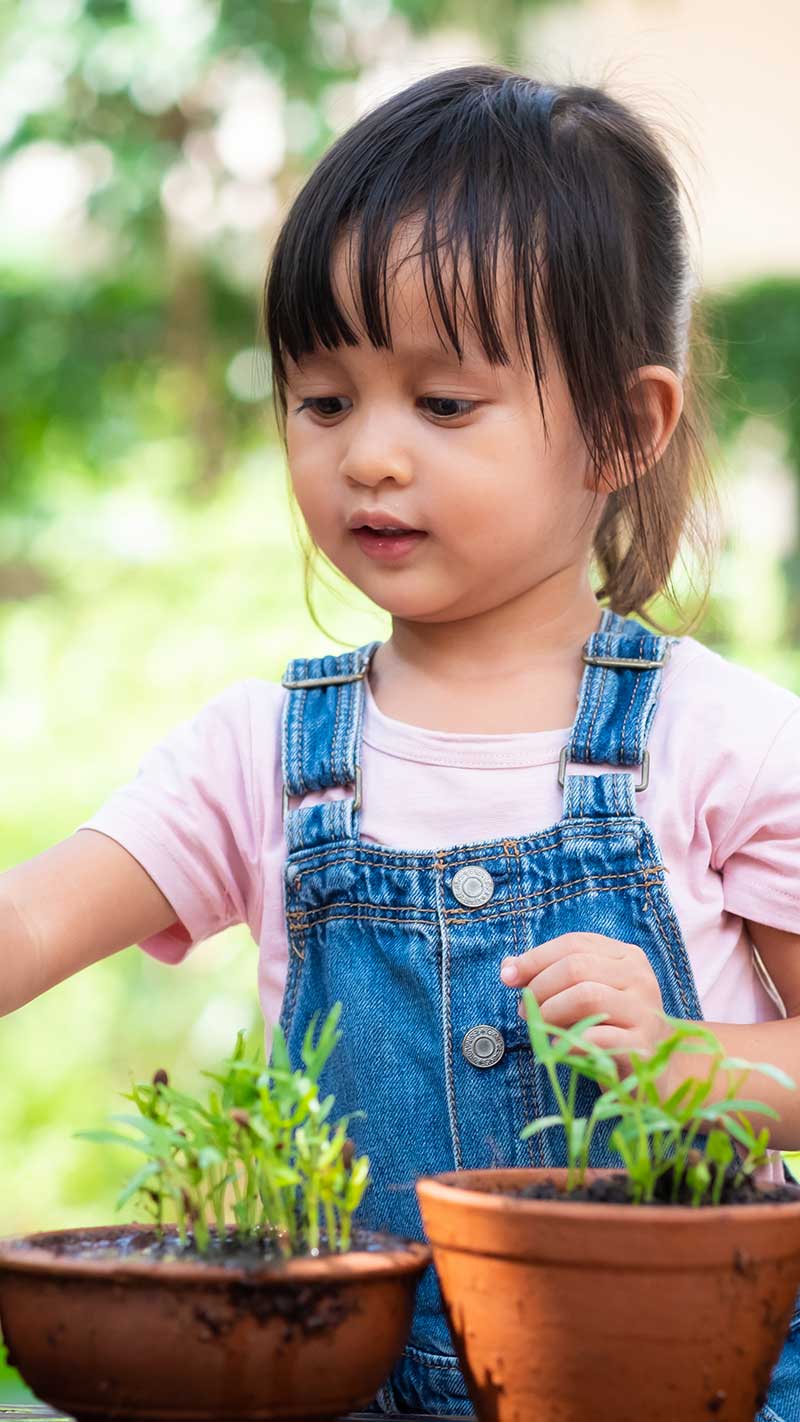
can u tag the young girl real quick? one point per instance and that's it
(478, 311)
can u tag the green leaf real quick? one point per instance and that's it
(542, 1123)
(137, 1182)
(709, 1112)
(766, 1068)
(209, 1155)
(112, 1138)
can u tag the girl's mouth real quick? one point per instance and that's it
(387, 544)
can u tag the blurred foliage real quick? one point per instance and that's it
(153, 276)
(757, 331)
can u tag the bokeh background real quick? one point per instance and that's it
(147, 557)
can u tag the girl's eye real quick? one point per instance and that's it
(466, 406)
(317, 403)
(312, 401)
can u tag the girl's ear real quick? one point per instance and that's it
(656, 398)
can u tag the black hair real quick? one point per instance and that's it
(581, 195)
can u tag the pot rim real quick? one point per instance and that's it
(19, 1254)
(443, 1188)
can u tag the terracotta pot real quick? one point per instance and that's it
(136, 1337)
(610, 1313)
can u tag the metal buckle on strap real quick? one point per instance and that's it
(643, 783)
(324, 680)
(356, 797)
(635, 663)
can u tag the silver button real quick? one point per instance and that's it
(472, 886)
(483, 1046)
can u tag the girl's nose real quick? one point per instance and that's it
(374, 454)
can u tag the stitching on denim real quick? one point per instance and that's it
(447, 1024)
(636, 676)
(323, 916)
(524, 1067)
(662, 906)
(614, 889)
(285, 769)
(295, 926)
(300, 733)
(511, 853)
(286, 1018)
(598, 704)
(501, 904)
(650, 903)
(402, 859)
(588, 689)
(334, 738)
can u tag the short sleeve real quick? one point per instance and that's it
(759, 855)
(188, 819)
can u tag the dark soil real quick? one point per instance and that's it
(616, 1190)
(126, 1241)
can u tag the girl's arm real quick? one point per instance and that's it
(776, 1041)
(69, 906)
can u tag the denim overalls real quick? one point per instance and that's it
(433, 1049)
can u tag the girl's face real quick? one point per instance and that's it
(456, 451)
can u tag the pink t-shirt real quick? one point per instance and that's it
(203, 814)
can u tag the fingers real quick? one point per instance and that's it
(577, 969)
(525, 966)
(621, 1007)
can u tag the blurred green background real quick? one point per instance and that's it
(147, 558)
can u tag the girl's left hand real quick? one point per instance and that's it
(583, 973)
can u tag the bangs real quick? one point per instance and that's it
(468, 177)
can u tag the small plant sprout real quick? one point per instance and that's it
(260, 1148)
(656, 1132)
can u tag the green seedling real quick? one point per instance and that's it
(657, 1130)
(261, 1148)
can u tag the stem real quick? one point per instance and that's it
(344, 1229)
(330, 1224)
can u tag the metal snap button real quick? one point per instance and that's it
(472, 886)
(483, 1046)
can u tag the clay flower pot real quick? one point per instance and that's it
(137, 1337)
(610, 1312)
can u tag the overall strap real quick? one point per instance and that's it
(616, 705)
(321, 742)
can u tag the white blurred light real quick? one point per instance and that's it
(188, 21)
(214, 1032)
(99, 161)
(132, 525)
(248, 375)
(301, 125)
(246, 207)
(36, 79)
(249, 133)
(764, 508)
(331, 38)
(187, 192)
(365, 14)
(42, 185)
(156, 88)
(111, 61)
(55, 12)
